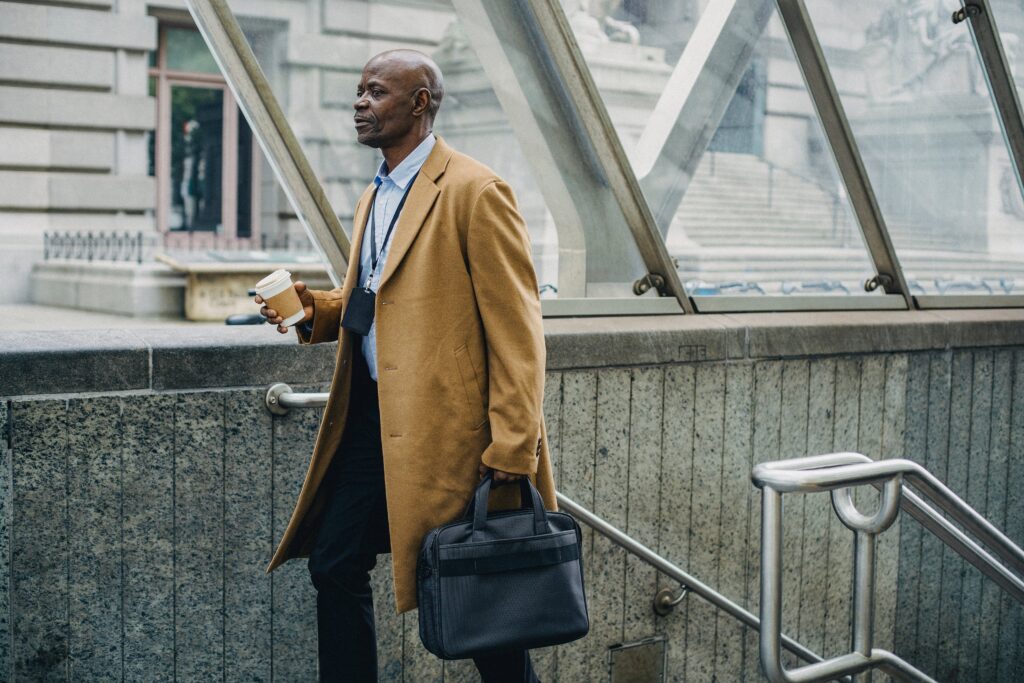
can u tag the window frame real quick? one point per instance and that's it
(166, 79)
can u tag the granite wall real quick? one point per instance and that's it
(136, 521)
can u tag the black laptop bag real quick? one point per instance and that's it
(505, 581)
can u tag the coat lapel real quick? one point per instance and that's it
(422, 196)
(358, 230)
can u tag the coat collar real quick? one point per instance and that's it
(421, 199)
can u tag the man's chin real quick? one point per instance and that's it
(368, 139)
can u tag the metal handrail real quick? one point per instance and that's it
(837, 472)
(280, 398)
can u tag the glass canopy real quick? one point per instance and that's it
(657, 144)
(725, 141)
(918, 103)
(314, 77)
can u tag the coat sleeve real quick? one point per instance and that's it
(326, 317)
(505, 285)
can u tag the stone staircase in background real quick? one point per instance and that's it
(746, 219)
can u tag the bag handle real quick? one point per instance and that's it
(527, 492)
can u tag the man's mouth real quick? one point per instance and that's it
(363, 122)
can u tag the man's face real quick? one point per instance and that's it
(384, 103)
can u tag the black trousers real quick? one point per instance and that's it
(353, 531)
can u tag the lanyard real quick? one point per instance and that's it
(374, 254)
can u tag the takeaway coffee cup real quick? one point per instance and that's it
(279, 294)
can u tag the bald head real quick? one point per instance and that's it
(419, 70)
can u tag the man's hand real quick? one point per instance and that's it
(500, 476)
(307, 307)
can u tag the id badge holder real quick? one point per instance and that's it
(359, 313)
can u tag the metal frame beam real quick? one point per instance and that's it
(269, 125)
(694, 100)
(530, 55)
(840, 138)
(1000, 81)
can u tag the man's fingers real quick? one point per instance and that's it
(282, 329)
(300, 286)
(271, 313)
(259, 299)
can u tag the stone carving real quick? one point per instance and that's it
(593, 24)
(454, 46)
(913, 41)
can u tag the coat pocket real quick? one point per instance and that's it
(471, 386)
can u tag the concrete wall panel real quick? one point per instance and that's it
(675, 495)
(793, 444)
(911, 534)
(956, 478)
(34, 148)
(6, 518)
(576, 473)
(606, 589)
(840, 543)
(248, 492)
(1011, 614)
(976, 494)
(73, 26)
(817, 508)
(94, 536)
(936, 460)
(20, 190)
(198, 535)
(766, 420)
(645, 467)
(45, 65)
(736, 451)
(992, 596)
(39, 548)
(179, 498)
(383, 21)
(76, 109)
(147, 520)
(705, 515)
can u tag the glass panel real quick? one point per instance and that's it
(197, 123)
(186, 51)
(243, 226)
(314, 76)
(151, 134)
(1009, 16)
(914, 91)
(757, 207)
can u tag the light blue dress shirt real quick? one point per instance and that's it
(390, 188)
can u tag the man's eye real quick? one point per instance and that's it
(377, 92)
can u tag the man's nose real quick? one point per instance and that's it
(360, 103)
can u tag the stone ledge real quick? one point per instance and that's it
(181, 359)
(86, 361)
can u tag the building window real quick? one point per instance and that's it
(202, 154)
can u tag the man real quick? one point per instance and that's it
(439, 374)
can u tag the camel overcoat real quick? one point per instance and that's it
(460, 357)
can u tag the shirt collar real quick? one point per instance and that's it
(409, 167)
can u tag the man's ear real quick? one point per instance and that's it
(421, 102)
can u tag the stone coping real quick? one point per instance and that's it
(87, 361)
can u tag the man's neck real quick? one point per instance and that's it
(395, 155)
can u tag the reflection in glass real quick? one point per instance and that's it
(913, 88)
(197, 120)
(186, 51)
(244, 215)
(742, 184)
(315, 77)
